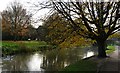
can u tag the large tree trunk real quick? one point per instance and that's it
(101, 48)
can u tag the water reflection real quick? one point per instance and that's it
(53, 60)
(35, 62)
(88, 54)
(0, 65)
(17, 63)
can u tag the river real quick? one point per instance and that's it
(53, 60)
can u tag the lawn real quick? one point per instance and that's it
(82, 66)
(14, 47)
(110, 49)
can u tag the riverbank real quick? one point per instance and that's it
(15, 47)
(90, 65)
(82, 66)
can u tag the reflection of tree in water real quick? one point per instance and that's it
(17, 64)
(74, 54)
(59, 58)
(49, 60)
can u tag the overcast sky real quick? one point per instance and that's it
(5, 3)
(40, 14)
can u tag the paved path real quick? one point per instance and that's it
(112, 64)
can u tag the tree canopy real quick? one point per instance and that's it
(58, 32)
(15, 22)
(99, 19)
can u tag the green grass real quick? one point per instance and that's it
(33, 44)
(111, 48)
(82, 66)
(14, 47)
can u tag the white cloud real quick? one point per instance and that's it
(4, 4)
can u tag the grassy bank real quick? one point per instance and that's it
(82, 66)
(110, 49)
(86, 66)
(14, 47)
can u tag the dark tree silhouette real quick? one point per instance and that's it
(100, 19)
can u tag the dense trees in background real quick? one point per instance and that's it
(16, 23)
(42, 31)
(32, 33)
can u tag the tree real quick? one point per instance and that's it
(15, 20)
(5, 30)
(32, 32)
(56, 31)
(55, 26)
(41, 33)
(101, 19)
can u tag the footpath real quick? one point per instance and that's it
(110, 64)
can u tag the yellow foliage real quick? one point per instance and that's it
(75, 41)
(116, 35)
(62, 34)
